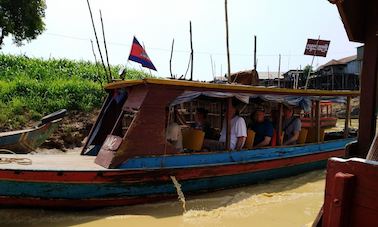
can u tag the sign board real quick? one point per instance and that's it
(317, 47)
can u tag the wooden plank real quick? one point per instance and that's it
(341, 200)
(228, 123)
(317, 121)
(347, 117)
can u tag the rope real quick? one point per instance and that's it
(20, 161)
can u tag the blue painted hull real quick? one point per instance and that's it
(143, 179)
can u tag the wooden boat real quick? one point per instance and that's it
(27, 140)
(326, 120)
(127, 159)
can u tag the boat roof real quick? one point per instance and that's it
(206, 86)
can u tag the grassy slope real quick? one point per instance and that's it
(31, 87)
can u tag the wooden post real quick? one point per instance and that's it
(347, 118)
(191, 51)
(254, 54)
(170, 59)
(228, 123)
(279, 132)
(279, 70)
(227, 43)
(317, 121)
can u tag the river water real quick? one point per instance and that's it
(290, 202)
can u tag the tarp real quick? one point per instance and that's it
(303, 102)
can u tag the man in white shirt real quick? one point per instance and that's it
(238, 130)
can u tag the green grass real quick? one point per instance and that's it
(32, 87)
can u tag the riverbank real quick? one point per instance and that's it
(32, 87)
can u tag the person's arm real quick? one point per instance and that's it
(292, 139)
(265, 142)
(239, 143)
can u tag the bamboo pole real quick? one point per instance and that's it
(96, 63)
(227, 43)
(106, 49)
(170, 59)
(98, 44)
(191, 51)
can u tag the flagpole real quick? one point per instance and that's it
(312, 62)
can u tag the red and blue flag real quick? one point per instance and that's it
(138, 54)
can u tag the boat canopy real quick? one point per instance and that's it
(304, 102)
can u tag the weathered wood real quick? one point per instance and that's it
(317, 120)
(348, 201)
(228, 123)
(279, 133)
(347, 117)
(339, 209)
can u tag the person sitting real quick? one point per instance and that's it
(238, 129)
(291, 126)
(173, 133)
(263, 129)
(201, 122)
(238, 133)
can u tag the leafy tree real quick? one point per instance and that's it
(22, 19)
(303, 76)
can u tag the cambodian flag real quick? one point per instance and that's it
(138, 54)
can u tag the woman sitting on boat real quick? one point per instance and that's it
(291, 126)
(262, 127)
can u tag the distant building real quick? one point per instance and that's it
(342, 74)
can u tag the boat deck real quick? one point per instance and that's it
(69, 162)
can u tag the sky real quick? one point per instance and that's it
(281, 26)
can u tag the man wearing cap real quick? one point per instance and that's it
(291, 126)
(262, 127)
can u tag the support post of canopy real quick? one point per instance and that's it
(317, 121)
(347, 118)
(228, 123)
(279, 132)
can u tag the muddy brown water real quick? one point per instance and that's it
(293, 201)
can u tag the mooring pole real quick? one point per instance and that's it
(227, 43)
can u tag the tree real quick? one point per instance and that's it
(21, 18)
(303, 76)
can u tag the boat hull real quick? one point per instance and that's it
(89, 189)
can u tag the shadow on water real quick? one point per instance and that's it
(204, 202)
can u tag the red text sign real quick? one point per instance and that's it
(317, 47)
